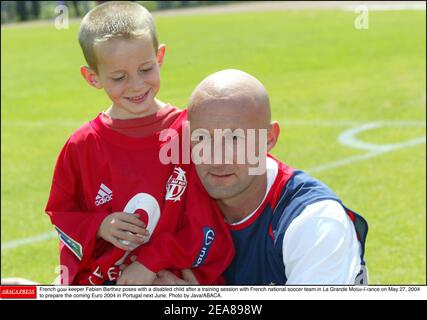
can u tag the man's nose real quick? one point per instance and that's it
(222, 152)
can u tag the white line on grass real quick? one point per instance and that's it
(346, 138)
(25, 241)
(350, 123)
(285, 122)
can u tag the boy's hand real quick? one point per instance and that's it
(119, 226)
(167, 278)
(136, 274)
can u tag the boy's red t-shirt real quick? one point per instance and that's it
(111, 166)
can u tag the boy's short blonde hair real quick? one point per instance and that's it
(114, 19)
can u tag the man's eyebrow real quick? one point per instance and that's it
(148, 61)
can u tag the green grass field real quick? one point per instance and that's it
(323, 76)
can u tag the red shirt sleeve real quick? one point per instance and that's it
(76, 227)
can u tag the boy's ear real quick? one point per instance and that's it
(161, 54)
(90, 76)
(273, 135)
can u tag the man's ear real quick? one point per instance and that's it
(273, 135)
(161, 54)
(90, 76)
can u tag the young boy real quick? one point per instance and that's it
(110, 192)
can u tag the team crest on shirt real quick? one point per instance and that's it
(176, 185)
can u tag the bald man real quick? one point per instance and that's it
(288, 228)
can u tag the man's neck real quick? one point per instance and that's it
(239, 207)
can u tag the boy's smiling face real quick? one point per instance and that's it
(129, 72)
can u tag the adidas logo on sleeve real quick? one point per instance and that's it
(104, 195)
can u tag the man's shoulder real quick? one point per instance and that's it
(304, 188)
(294, 187)
(299, 191)
(326, 220)
(329, 212)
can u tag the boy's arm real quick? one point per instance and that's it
(82, 231)
(184, 250)
(76, 227)
(202, 242)
(167, 251)
(77, 231)
(192, 234)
